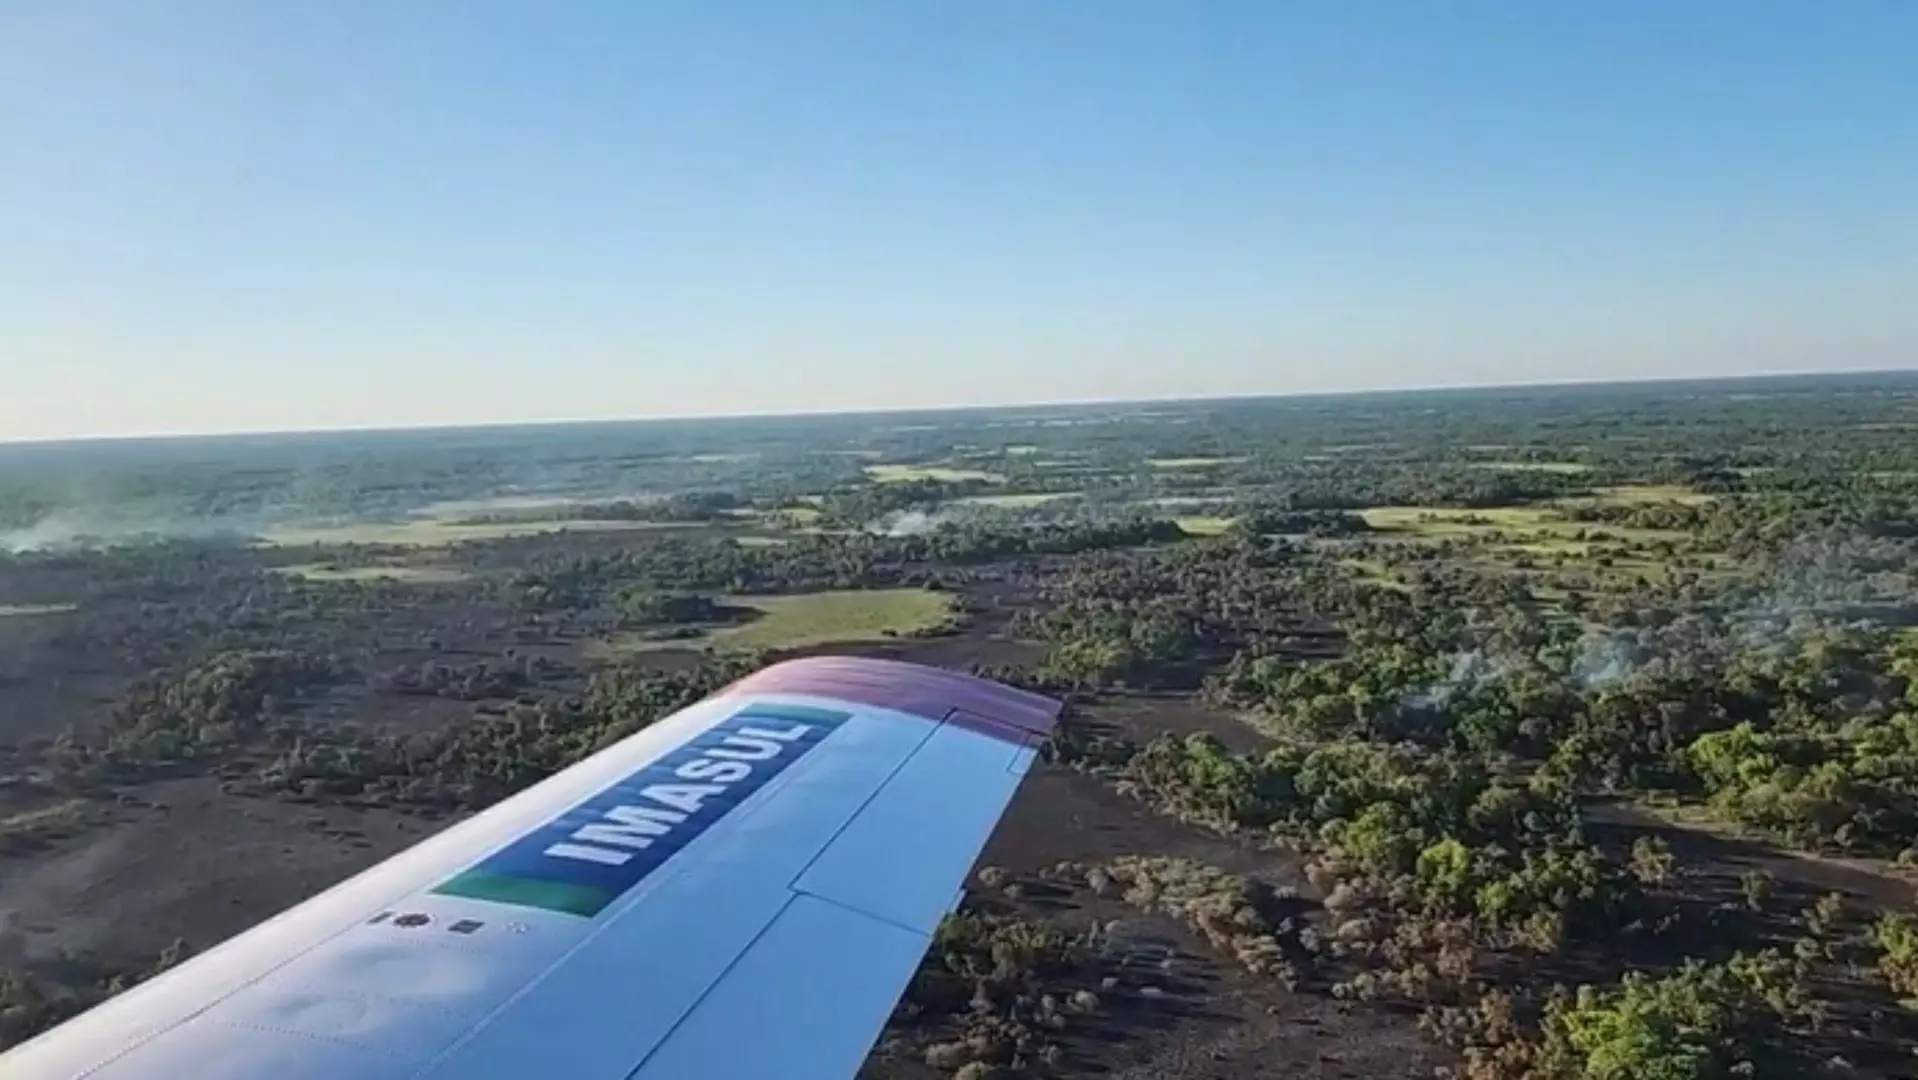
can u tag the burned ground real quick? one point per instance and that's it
(1410, 719)
(194, 858)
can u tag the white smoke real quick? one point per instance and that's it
(1607, 658)
(909, 523)
(60, 529)
(1470, 670)
(67, 530)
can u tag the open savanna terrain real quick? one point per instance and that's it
(1549, 734)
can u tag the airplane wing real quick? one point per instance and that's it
(741, 890)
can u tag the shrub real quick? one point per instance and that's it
(1897, 936)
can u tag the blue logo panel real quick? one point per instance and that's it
(592, 854)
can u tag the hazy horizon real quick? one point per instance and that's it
(1520, 388)
(220, 217)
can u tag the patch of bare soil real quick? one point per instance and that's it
(183, 858)
(185, 861)
(1172, 1005)
(50, 677)
(1719, 852)
(1142, 716)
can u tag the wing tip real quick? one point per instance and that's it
(919, 689)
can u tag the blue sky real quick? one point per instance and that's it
(243, 216)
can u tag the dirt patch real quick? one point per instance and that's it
(1716, 858)
(1143, 716)
(51, 677)
(1179, 1010)
(186, 860)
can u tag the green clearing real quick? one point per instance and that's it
(21, 611)
(426, 534)
(1019, 502)
(61, 813)
(1562, 468)
(32, 829)
(1537, 535)
(821, 618)
(1204, 525)
(784, 517)
(1547, 548)
(751, 541)
(409, 575)
(1439, 521)
(897, 474)
(1635, 494)
(1375, 574)
(1192, 462)
(803, 619)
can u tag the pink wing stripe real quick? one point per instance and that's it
(1016, 716)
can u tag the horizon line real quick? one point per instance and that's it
(882, 410)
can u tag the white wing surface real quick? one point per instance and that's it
(741, 890)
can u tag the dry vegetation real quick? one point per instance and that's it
(1354, 780)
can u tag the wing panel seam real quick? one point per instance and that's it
(627, 903)
(866, 803)
(308, 1036)
(793, 892)
(680, 1020)
(863, 913)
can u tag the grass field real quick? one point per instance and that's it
(1197, 500)
(797, 516)
(430, 533)
(1547, 548)
(1019, 502)
(1631, 494)
(794, 516)
(1530, 538)
(1192, 462)
(821, 618)
(1204, 525)
(30, 829)
(895, 474)
(1564, 468)
(410, 575)
(1438, 521)
(17, 611)
(1376, 574)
